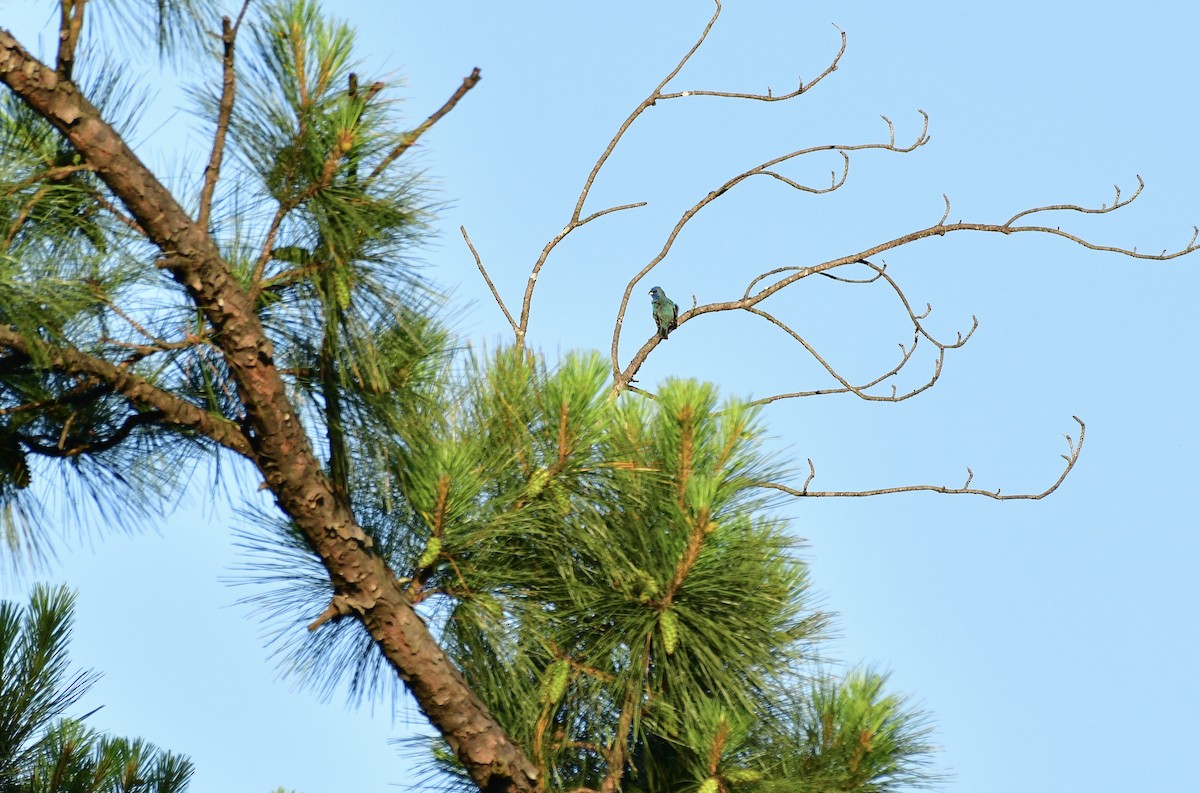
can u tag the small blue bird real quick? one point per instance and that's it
(666, 313)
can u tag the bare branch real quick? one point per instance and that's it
(224, 112)
(941, 229)
(1071, 457)
(637, 111)
(655, 95)
(604, 212)
(1104, 209)
(858, 390)
(621, 378)
(410, 138)
(69, 27)
(768, 96)
(487, 278)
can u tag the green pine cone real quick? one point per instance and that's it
(554, 681)
(743, 775)
(669, 623)
(341, 289)
(430, 554)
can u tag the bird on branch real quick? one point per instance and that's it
(666, 313)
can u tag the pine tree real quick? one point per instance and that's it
(584, 589)
(42, 750)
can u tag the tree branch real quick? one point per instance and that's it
(61, 450)
(69, 27)
(622, 378)
(491, 286)
(1071, 458)
(656, 95)
(212, 171)
(469, 82)
(768, 96)
(140, 392)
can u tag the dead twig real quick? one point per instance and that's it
(1072, 457)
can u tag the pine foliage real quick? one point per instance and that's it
(42, 750)
(614, 586)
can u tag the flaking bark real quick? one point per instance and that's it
(275, 439)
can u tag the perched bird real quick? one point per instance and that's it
(666, 313)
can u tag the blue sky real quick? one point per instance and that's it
(1053, 641)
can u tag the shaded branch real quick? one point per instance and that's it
(617, 752)
(84, 391)
(140, 392)
(322, 182)
(70, 25)
(104, 444)
(1071, 458)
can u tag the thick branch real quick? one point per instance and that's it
(278, 443)
(138, 391)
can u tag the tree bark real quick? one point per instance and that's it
(275, 438)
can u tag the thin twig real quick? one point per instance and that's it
(224, 113)
(654, 96)
(491, 286)
(411, 137)
(1071, 458)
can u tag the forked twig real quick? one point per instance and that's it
(577, 219)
